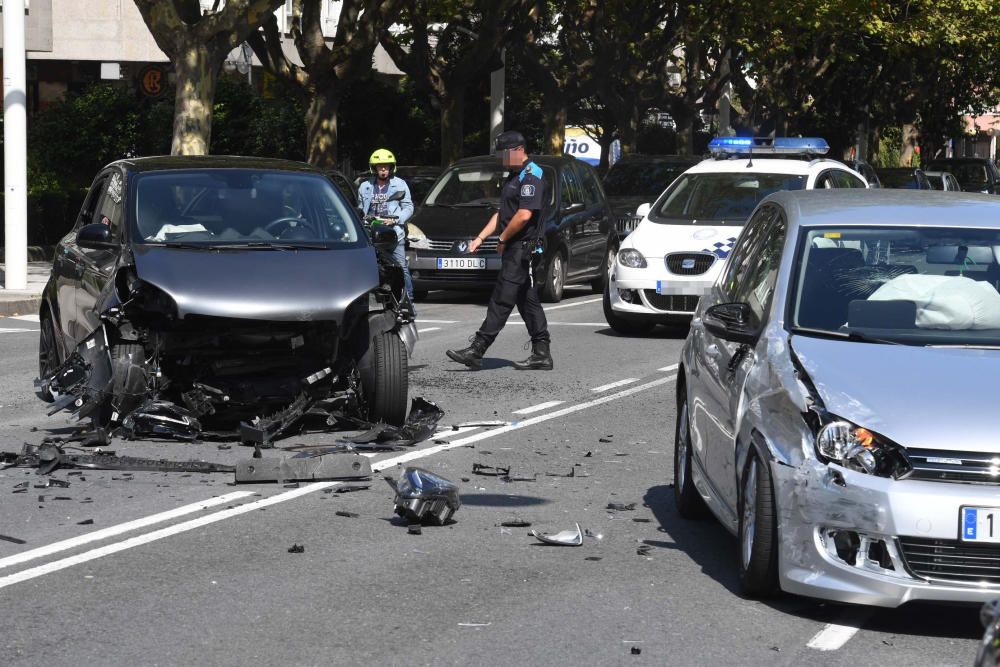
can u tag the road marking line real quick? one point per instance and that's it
(423, 321)
(667, 369)
(421, 453)
(18, 330)
(620, 383)
(429, 329)
(140, 540)
(26, 318)
(578, 324)
(111, 531)
(575, 303)
(538, 408)
(835, 635)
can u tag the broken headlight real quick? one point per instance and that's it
(857, 448)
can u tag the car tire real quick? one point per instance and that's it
(387, 395)
(622, 325)
(689, 502)
(758, 530)
(49, 358)
(600, 283)
(555, 279)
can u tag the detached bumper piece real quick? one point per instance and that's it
(423, 497)
(303, 468)
(420, 424)
(49, 458)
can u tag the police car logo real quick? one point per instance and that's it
(527, 190)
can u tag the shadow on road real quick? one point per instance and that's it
(500, 500)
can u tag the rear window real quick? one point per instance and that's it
(719, 199)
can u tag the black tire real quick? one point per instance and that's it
(758, 530)
(555, 279)
(601, 282)
(386, 391)
(49, 357)
(129, 379)
(623, 325)
(690, 504)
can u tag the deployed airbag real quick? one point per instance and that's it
(945, 302)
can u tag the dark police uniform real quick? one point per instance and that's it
(524, 189)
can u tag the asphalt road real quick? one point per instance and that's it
(201, 573)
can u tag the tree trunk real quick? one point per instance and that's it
(554, 116)
(628, 128)
(908, 151)
(197, 69)
(684, 119)
(607, 138)
(452, 124)
(321, 129)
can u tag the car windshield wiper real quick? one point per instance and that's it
(187, 246)
(443, 205)
(267, 245)
(846, 335)
(475, 204)
(966, 346)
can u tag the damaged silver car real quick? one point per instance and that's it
(199, 295)
(836, 405)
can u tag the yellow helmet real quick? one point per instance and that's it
(382, 156)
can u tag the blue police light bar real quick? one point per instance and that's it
(767, 145)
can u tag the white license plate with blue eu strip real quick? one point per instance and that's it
(980, 524)
(461, 262)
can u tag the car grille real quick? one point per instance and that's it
(951, 560)
(627, 223)
(689, 263)
(447, 245)
(674, 302)
(478, 275)
(948, 466)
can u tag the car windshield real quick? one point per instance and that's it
(641, 179)
(214, 207)
(917, 286)
(724, 198)
(971, 175)
(897, 178)
(475, 185)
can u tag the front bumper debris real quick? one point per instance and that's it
(423, 497)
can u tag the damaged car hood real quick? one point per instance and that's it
(260, 284)
(933, 398)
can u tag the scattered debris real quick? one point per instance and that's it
(588, 455)
(641, 520)
(50, 457)
(350, 488)
(490, 471)
(621, 507)
(566, 538)
(643, 549)
(592, 558)
(297, 549)
(516, 523)
(302, 468)
(15, 540)
(603, 440)
(85, 522)
(349, 515)
(510, 478)
(482, 424)
(414, 529)
(636, 650)
(423, 497)
(420, 424)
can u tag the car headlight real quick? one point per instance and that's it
(857, 448)
(416, 237)
(631, 258)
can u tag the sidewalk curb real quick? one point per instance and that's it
(24, 306)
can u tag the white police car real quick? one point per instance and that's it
(680, 246)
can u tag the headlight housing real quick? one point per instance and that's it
(631, 258)
(857, 448)
(416, 238)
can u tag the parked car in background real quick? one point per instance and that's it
(974, 174)
(637, 179)
(943, 180)
(833, 404)
(579, 235)
(418, 179)
(903, 178)
(866, 170)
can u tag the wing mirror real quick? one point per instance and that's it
(384, 238)
(643, 210)
(396, 196)
(733, 322)
(95, 236)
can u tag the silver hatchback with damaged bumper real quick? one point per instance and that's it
(836, 398)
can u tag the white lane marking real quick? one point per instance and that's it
(835, 635)
(620, 383)
(667, 369)
(538, 408)
(423, 321)
(140, 540)
(26, 318)
(18, 330)
(421, 453)
(428, 329)
(575, 303)
(111, 531)
(578, 324)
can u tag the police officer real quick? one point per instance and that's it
(523, 204)
(373, 197)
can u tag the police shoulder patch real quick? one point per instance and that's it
(527, 190)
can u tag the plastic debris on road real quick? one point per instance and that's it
(565, 538)
(423, 497)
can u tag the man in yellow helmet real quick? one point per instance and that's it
(374, 198)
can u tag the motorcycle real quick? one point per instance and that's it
(381, 230)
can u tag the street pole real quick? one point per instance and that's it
(496, 99)
(15, 148)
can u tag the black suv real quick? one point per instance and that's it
(903, 178)
(974, 174)
(640, 179)
(580, 243)
(222, 289)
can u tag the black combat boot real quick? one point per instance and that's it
(540, 359)
(471, 356)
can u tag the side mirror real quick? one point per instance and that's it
(733, 322)
(95, 236)
(574, 207)
(396, 196)
(384, 238)
(643, 210)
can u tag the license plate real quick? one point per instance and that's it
(980, 524)
(461, 262)
(660, 286)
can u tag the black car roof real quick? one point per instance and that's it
(170, 162)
